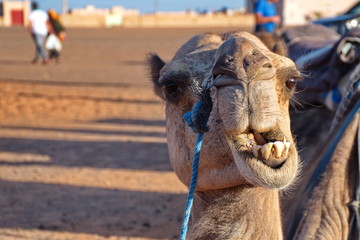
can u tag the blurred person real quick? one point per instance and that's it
(266, 16)
(39, 28)
(58, 32)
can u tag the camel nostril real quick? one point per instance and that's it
(267, 65)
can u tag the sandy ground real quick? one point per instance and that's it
(82, 143)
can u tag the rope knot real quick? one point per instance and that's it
(198, 117)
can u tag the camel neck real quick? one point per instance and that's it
(237, 213)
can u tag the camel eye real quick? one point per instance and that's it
(170, 88)
(290, 83)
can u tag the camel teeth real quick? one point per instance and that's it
(266, 150)
(255, 150)
(284, 139)
(287, 147)
(279, 148)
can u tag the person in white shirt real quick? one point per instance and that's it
(39, 28)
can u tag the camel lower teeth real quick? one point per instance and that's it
(271, 150)
(266, 150)
(279, 148)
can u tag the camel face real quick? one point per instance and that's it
(253, 89)
(249, 125)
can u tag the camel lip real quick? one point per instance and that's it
(250, 159)
(256, 171)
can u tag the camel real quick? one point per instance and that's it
(325, 210)
(321, 205)
(249, 154)
(327, 214)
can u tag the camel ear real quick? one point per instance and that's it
(155, 65)
(280, 48)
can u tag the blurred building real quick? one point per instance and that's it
(191, 19)
(94, 17)
(301, 11)
(14, 13)
(17, 13)
(131, 18)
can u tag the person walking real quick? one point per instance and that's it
(38, 28)
(266, 17)
(56, 37)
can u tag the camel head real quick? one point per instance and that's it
(249, 139)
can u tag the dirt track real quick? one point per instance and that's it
(82, 143)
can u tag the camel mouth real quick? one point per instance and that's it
(272, 151)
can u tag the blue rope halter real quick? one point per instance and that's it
(196, 119)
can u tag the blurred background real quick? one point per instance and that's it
(83, 150)
(161, 13)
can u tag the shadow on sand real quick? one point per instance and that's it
(97, 211)
(93, 210)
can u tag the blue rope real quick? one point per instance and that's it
(196, 119)
(192, 120)
(190, 198)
